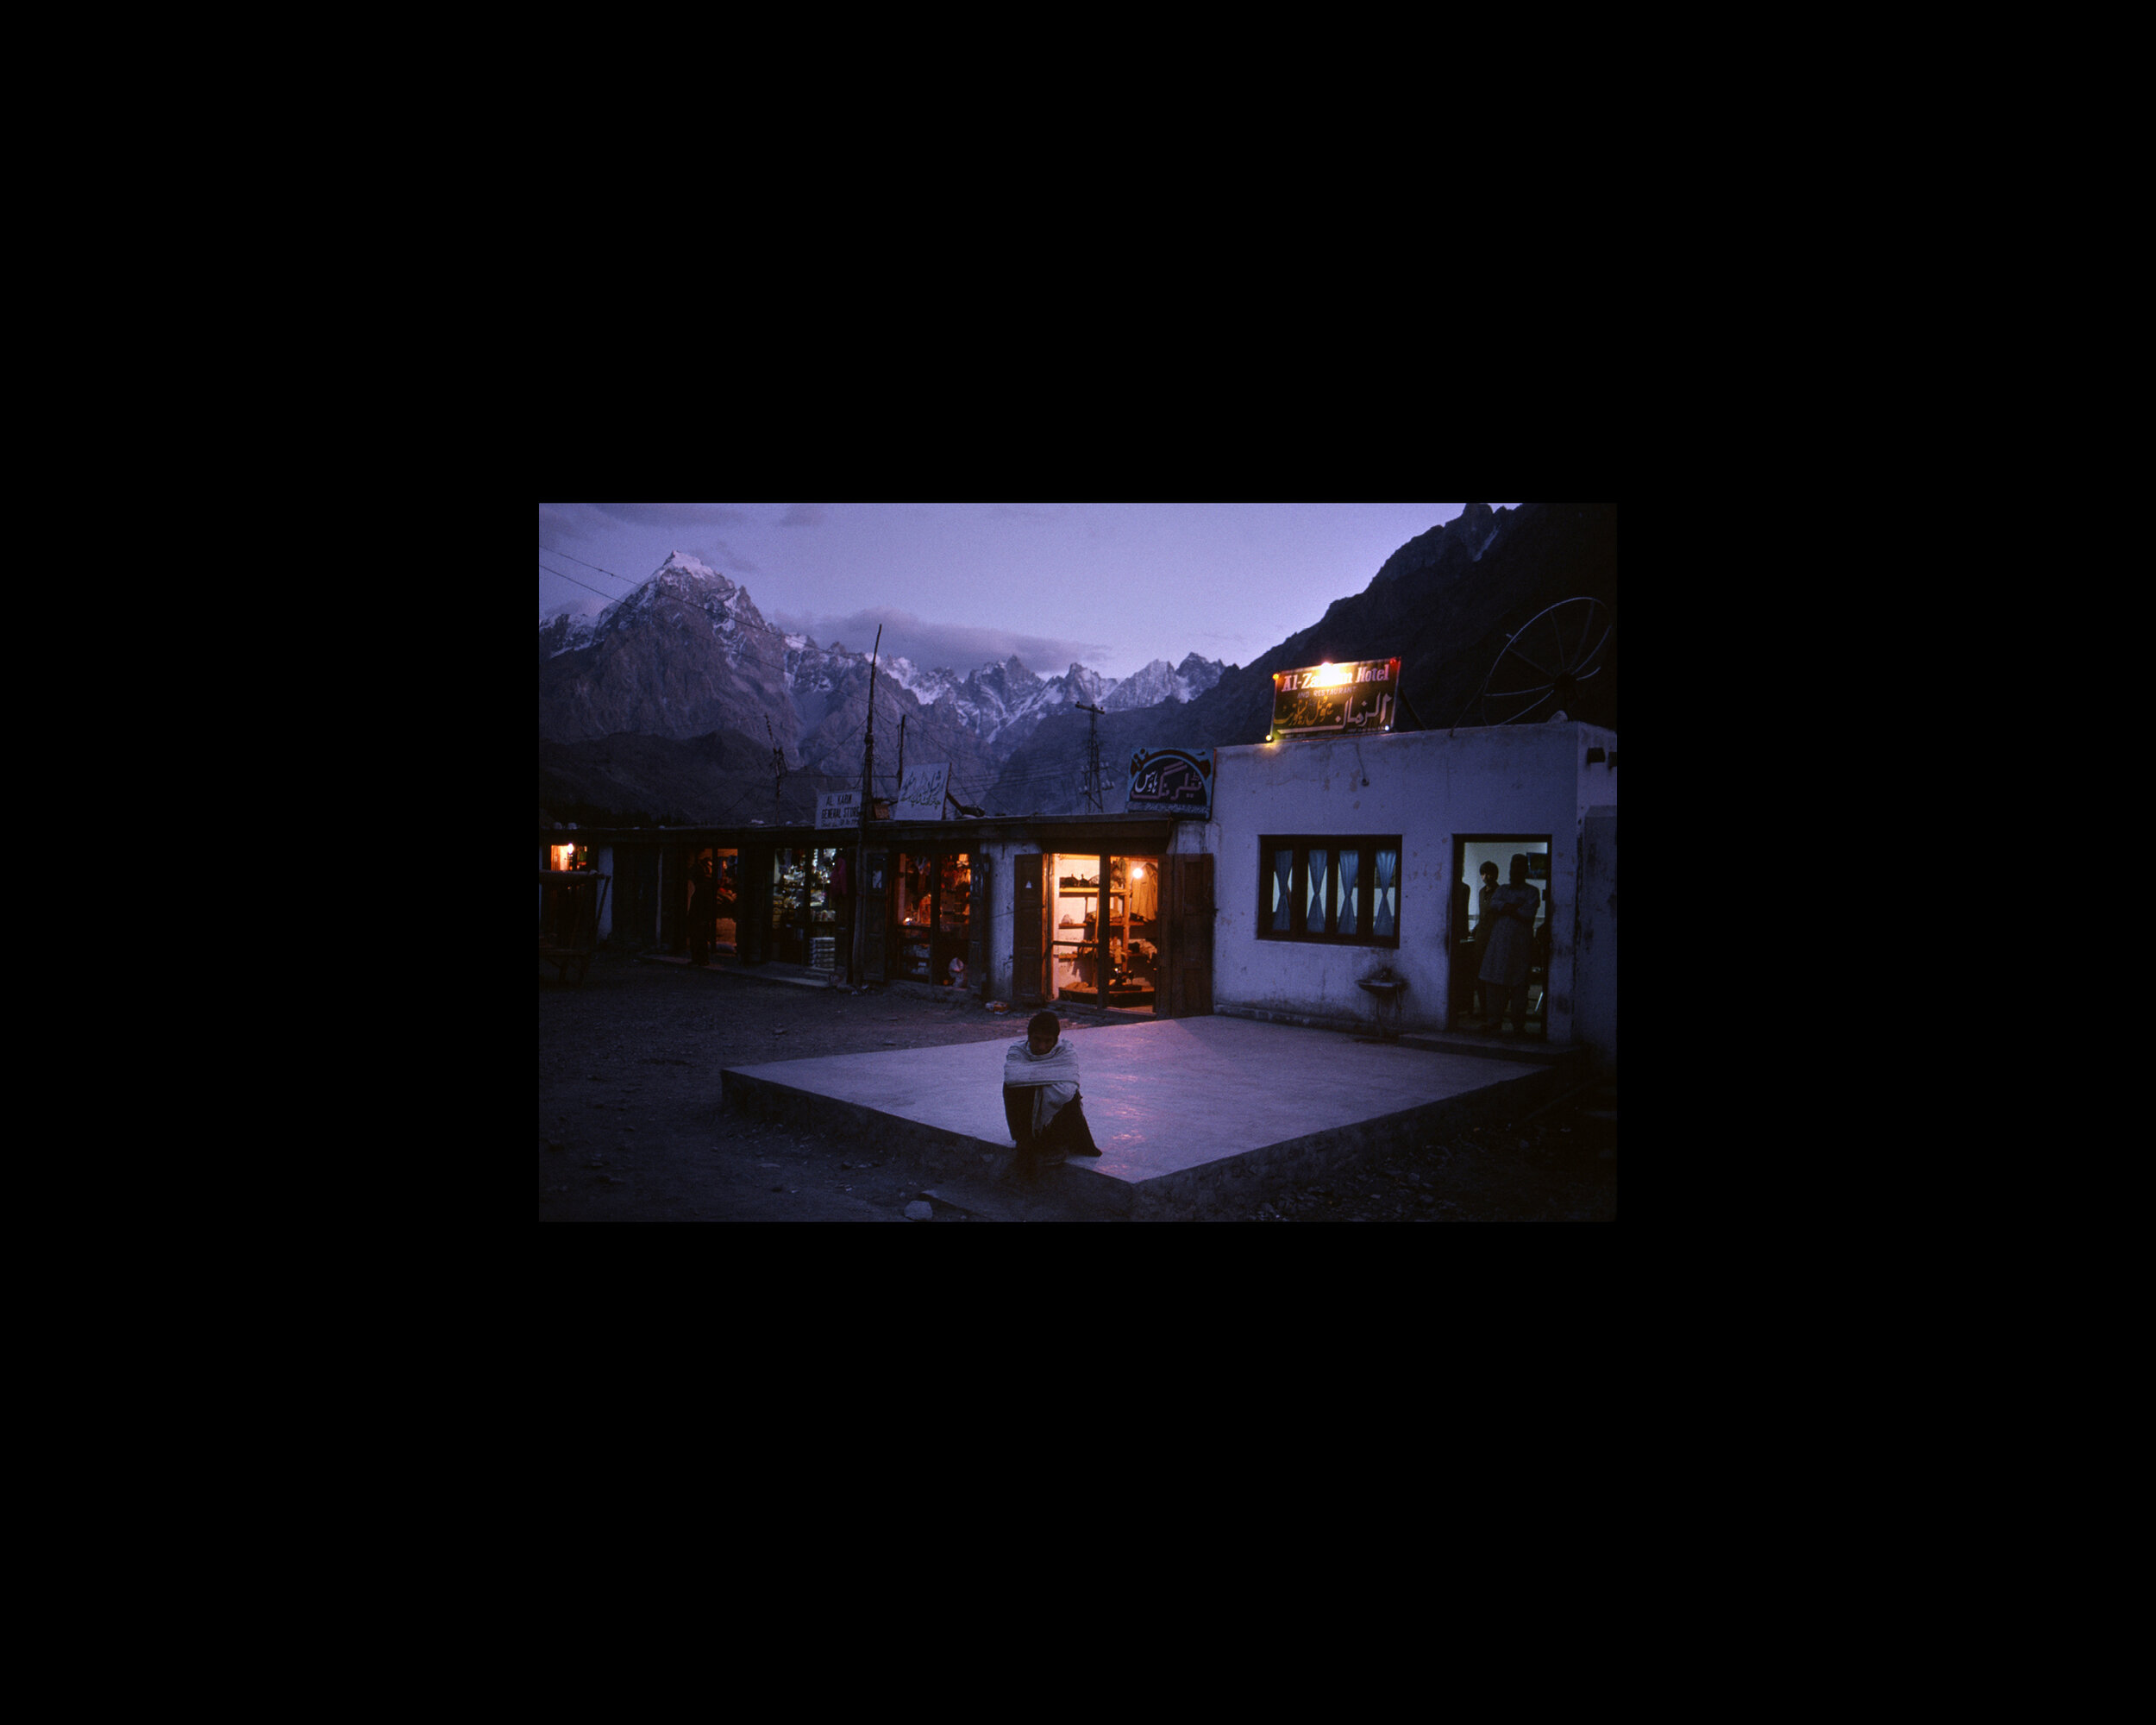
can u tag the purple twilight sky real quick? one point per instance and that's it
(1108, 585)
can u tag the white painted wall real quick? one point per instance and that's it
(1595, 1003)
(995, 856)
(1426, 787)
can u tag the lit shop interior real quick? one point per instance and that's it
(1103, 938)
(932, 911)
(804, 913)
(726, 878)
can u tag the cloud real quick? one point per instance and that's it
(931, 644)
(718, 554)
(803, 515)
(680, 517)
(563, 521)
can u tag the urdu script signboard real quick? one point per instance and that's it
(921, 796)
(1177, 781)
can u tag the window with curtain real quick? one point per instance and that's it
(1337, 890)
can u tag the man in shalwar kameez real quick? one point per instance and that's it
(1508, 927)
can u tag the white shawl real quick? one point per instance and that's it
(1055, 1073)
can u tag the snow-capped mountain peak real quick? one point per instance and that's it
(690, 565)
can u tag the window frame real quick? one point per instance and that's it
(1367, 846)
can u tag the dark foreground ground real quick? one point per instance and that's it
(630, 1128)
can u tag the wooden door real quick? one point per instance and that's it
(1189, 972)
(752, 920)
(877, 914)
(1029, 929)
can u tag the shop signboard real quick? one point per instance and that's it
(1176, 782)
(921, 795)
(1357, 695)
(839, 810)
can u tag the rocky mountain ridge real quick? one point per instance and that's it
(688, 656)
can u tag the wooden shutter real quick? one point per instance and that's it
(977, 928)
(752, 905)
(673, 899)
(1190, 937)
(1029, 929)
(877, 887)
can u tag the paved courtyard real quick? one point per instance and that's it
(1173, 1098)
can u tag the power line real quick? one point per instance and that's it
(551, 552)
(586, 586)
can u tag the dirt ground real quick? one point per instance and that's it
(630, 1128)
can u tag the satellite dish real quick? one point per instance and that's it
(1544, 662)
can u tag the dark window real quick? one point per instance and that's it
(1341, 891)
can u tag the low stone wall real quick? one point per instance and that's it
(1236, 1182)
(1307, 1020)
(930, 1149)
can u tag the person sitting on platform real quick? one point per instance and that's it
(1041, 1096)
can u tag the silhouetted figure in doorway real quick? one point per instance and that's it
(1507, 941)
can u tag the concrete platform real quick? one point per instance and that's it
(1187, 1112)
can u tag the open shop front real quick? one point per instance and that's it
(808, 900)
(722, 881)
(1105, 933)
(931, 936)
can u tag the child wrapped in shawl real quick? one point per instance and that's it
(1040, 1094)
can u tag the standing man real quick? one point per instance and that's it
(1486, 907)
(1507, 935)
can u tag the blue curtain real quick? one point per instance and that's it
(1351, 866)
(1283, 887)
(1320, 860)
(1386, 905)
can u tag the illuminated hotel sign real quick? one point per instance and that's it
(1178, 781)
(1362, 695)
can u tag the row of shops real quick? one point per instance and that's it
(921, 890)
(1328, 875)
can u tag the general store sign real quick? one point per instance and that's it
(838, 809)
(1178, 781)
(1359, 694)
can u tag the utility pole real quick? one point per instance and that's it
(868, 799)
(777, 761)
(902, 718)
(1093, 760)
